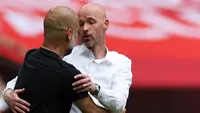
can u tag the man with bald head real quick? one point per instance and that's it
(106, 74)
(45, 76)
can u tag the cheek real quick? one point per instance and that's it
(80, 33)
(97, 31)
(80, 30)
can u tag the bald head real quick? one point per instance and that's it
(57, 21)
(94, 9)
(93, 25)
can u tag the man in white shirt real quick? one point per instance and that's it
(106, 74)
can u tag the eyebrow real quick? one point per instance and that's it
(90, 17)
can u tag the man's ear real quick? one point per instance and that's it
(106, 24)
(69, 33)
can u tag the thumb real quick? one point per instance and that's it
(18, 91)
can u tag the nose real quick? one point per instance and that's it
(85, 27)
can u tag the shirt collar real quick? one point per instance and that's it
(83, 49)
(108, 57)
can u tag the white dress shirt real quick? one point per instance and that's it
(112, 73)
(3, 105)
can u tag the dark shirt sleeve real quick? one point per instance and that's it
(77, 96)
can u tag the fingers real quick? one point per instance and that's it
(79, 76)
(85, 79)
(19, 100)
(23, 102)
(82, 86)
(15, 103)
(18, 91)
(90, 87)
(18, 110)
(14, 111)
(82, 82)
(21, 106)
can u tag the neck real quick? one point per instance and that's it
(58, 50)
(99, 51)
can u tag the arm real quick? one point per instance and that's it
(84, 102)
(11, 98)
(10, 85)
(86, 105)
(115, 98)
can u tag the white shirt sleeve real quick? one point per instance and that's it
(10, 84)
(3, 105)
(115, 98)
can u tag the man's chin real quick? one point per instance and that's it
(87, 44)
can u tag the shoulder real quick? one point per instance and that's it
(73, 53)
(30, 52)
(118, 58)
(122, 65)
(70, 69)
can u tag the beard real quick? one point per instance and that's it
(71, 45)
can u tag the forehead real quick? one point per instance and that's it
(88, 13)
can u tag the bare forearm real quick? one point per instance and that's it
(86, 105)
(95, 110)
(10, 84)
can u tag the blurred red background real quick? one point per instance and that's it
(161, 40)
(161, 37)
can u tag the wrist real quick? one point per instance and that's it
(96, 89)
(7, 91)
(93, 88)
